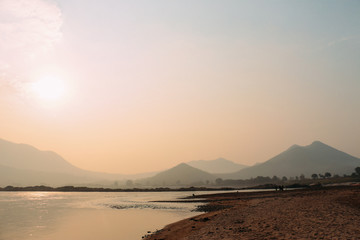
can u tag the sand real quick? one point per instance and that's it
(328, 213)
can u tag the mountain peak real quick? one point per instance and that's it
(317, 143)
(294, 147)
(314, 158)
(182, 165)
(181, 174)
(219, 165)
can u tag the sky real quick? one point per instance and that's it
(139, 86)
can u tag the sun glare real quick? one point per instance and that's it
(49, 88)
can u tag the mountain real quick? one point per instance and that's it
(220, 165)
(25, 177)
(182, 174)
(315, 158)
(29, 165)
(26, 157)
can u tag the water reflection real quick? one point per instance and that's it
(34, 196)
(110, 224)
(80, 216)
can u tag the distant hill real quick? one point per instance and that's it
(220, 165)
(29, 165)
(26, 177)
(23, 156)
(315, 158)
(182, 174)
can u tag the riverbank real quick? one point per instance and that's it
(91, 189)
(325, 213)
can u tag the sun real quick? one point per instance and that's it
(49, 88)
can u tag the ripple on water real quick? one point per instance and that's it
(143, 206)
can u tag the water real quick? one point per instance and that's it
(87, 216)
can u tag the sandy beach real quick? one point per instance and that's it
(326, 213)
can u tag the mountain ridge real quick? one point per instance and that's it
(24, 156)
(181, 174)
(219, 165)
(314, 158)
(25, 160)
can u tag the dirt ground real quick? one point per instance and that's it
(328, 213)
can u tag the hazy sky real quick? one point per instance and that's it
(144, 85)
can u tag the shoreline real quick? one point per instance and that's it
(324, 213)
(91, 189)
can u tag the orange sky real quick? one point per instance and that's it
(147, 86)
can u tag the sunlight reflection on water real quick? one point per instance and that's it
(90, 216)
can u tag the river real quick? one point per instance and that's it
(88, 216)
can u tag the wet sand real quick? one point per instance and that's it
(327, 213)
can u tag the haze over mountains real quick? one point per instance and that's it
(23, 156)
(22, 164)
(315, 158)
(182, 174)
(219, 165)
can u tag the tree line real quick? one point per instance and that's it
(259, 180)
